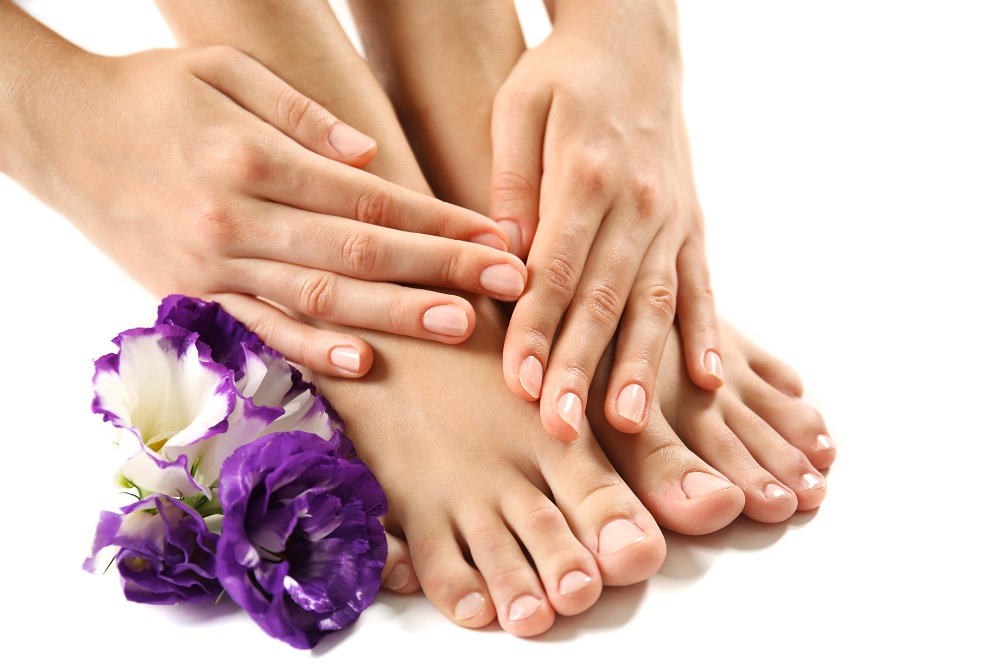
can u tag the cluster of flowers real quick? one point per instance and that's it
(245, 483)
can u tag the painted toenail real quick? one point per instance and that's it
(700, 484)
(530, 376)
(470, 606)
(713, 364)
(811, 481)
(399, 577)
(573, 582)
(523, 608)
(618, 535)
(571, 411)
(824, 442)
(631, 403)
(775, 492)
(446, 320)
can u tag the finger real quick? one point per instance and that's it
(642, 335)
(262, 93)
(339, 299)
(518, 131)
(590, 323)
(324, 352)
(696, 316)
(297, 178)
(377, 254)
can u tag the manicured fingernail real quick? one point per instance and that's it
(824, 442)
(489, 240)
(618, 535)
(523, 607)
(571, 411)
(573, 582)
(701, 484)
(347, 359)
(530, 376)
(446, 320)
(513, 232)
(399, 577)
(811, 481)
(470, 606)
(503, 280)
(713, 364)
(775, 492)
(631, 403)
(348, 141)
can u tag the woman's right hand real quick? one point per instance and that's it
(201, 172)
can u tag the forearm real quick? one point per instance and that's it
(302, 42)
(441, 62)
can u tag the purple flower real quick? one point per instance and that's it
(166, 554)
(301, 549)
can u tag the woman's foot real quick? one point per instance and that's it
(500, 519)
(751, 447)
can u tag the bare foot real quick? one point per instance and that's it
(751, 447)
(500, 519)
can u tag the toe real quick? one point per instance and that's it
(397, 575)
(798, 423)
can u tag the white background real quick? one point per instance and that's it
(848, 160)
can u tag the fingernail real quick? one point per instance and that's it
(523, 608)
(811, 481)
(399, 577)
(713, 364)
(631, 403)
(573, 582)
(348, 141)
(513, 232)
(489, 240)
(700, 484)
(347, 359)
(571, 411)
(618, 535)
(470, 606)
(824, 442)
(503, 280)
(530, 375)
(775, 492)
(446, 320)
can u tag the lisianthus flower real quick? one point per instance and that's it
(166, 552)
(186, 398)
(302, 549)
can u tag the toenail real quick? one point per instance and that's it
(700, 484)
(573, 582)
(470, 606)
(523, 608)
(571, 411)
(530, 376)
(618, 535)
(811, 481)
(399, 577)
(824, 442)
(775, 492)
(713, 364)
(631, 403)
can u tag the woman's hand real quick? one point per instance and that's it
(592, 173)
(201, 172)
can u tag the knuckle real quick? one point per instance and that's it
(645, 198)
(661, 301)
(395, 315)
(559, 275)
(316, 294)
(451, 270)
(602, 303)
(361, 253)
(218, 227)
(374, 206)
(296, 111)
(244, 162)
(544, 519)
(574, 374)
(510, 185)
(595, 174)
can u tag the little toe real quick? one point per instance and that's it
(773, 370)
(800, 424)
(397, 575)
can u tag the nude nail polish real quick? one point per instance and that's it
(470, 606)
(399, 577)
(347, 359)
(571, 411)
(503, 280)
(773, 491)
(446, 320)
(523, 607)
(713, 364)
(348, 141)
(618, 535)
(701, 484)
(824, 443)
(573, 582)
(811, 481)
(631, 403)
(513, 232)
(530, 376)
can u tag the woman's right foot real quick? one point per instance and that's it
(499, 518)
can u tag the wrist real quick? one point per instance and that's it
(637, 23)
